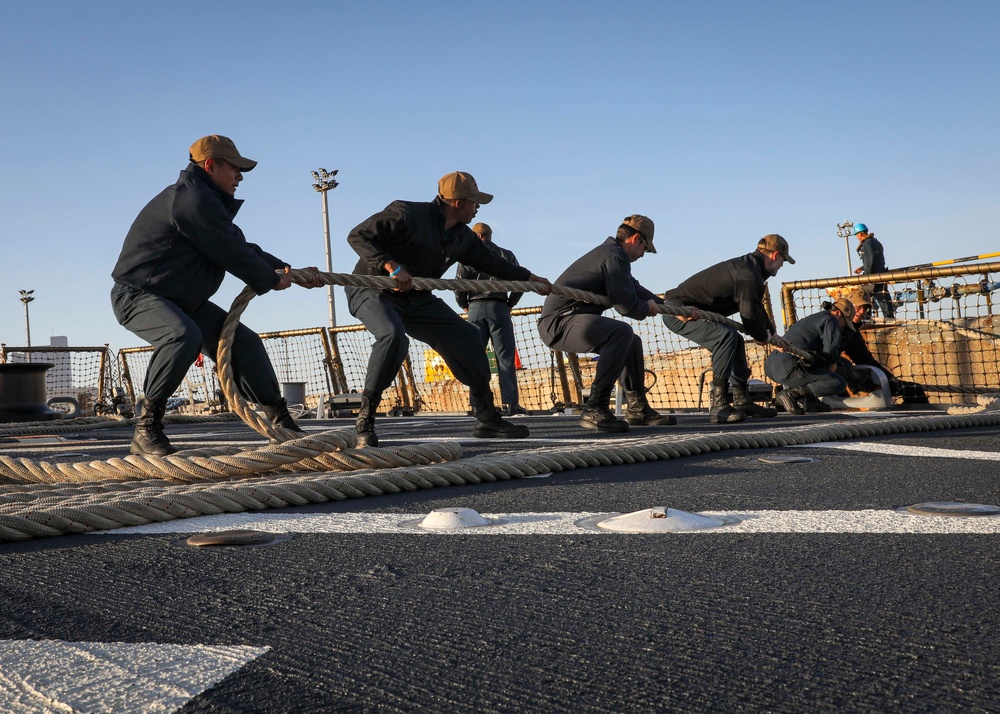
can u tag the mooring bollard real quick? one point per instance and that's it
(294, 392)
(22, 393)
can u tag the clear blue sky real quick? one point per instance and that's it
(722, 121)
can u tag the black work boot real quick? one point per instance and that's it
(639, 413)
(149, 439)
(743, 402)
(277, 413)
(598, 417)
(364, 427)
(790, 399)
(813, 404)
(489, 425)
(721, 411)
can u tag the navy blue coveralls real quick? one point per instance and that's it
(175, 256)
(732, 286)
(578, 327)
(820, 334)
(873, 262)
(413, 235)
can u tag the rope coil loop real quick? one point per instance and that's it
(228, 480)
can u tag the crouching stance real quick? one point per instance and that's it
(574, 326)
(423, 239)
(174, 259)
(803, 381)
(735, 285)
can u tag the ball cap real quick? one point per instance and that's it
(214, 146)
(847, 308)
(860, 297)
(773, 242)
(459, 184)
(644, 226)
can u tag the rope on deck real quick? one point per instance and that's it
(984, 402)
(27, 513)
(384, 282)
(58, 510)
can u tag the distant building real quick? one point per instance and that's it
(59, 379)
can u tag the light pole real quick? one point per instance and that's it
(324, 181)
(26, 298)
(845, 230)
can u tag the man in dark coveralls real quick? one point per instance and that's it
(489, 311)
(571, 325)
(175, 256)
(735, 285)
(855, 351)
(416, 239)
(805, 380)
(873, 262)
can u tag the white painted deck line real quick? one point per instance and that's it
(874, 447)
(46, 676)
(743, 522)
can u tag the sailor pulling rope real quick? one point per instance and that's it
(306, 278)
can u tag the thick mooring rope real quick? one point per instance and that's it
(60, 510)
(303, 277)
(50, 510)
(984, 402)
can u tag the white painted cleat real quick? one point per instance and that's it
(876, 401)
(453, 519)
(659, 520)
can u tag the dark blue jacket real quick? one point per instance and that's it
(466, 272)
(818, 333)
(182, 244)
(732, 286)
(604, 271)
(872, 256)
(412, 234)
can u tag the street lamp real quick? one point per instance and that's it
(324, 181)
(26, 298)
(845, 230)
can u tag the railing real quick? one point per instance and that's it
(945, 331)
(336, 361)
(81, 374)
(943, 337)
